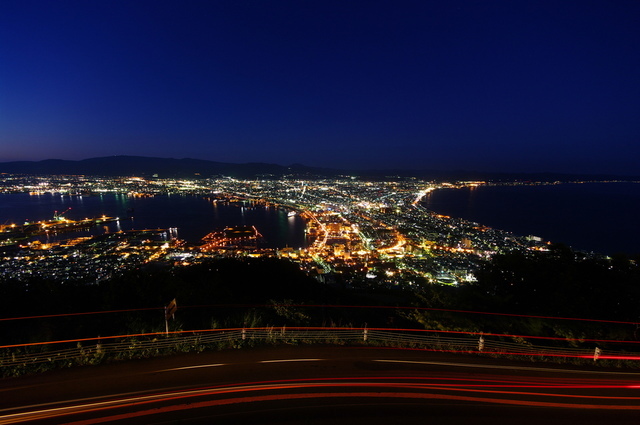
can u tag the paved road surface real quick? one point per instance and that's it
(323, 385)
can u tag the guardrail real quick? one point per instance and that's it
(21, 358)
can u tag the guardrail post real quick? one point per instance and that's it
(244, 334)
(481, 343)
(365, 333)
(166, 322)
(596, 353)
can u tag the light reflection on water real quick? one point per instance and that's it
(193, 216)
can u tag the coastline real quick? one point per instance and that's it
(193, 215)
(576, 214)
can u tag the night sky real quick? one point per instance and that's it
(463, 85)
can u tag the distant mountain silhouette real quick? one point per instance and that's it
(147, 166)
(187, 167)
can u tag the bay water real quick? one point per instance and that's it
(193, 216)
(594, 217)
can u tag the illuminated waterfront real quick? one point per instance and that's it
(193, 216)
(359, 233)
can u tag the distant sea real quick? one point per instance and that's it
(595, 217)
(193, 216)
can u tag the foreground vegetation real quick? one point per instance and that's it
(529, 292)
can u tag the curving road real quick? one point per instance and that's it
(321, 385)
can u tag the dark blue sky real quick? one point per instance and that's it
(477, 85)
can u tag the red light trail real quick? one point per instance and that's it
(329, 306)
(382, 388)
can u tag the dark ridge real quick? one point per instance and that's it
(189, 167)
(148, 166)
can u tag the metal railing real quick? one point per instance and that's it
(14, 358)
